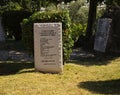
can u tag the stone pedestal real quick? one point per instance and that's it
(48, 52)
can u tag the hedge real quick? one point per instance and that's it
(39, 17)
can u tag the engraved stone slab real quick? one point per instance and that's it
(48, 52)
(102, 34)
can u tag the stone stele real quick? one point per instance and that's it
(48, 53)
(102, 34)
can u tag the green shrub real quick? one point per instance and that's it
(63, 16)
(77, 30)
(78, 12)
(11, 22)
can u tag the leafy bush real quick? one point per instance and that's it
(78, 12)
(63, 16)
(11, 22)
(78, 34)
(82, 15)
(77, 30)
(51, 7)
(9, 6)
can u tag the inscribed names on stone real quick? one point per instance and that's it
(48, 47)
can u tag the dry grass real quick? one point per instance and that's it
(96, 77)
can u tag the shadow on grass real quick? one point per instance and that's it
(92, 60)
(13, 68)
(111, 87)
(89, 58)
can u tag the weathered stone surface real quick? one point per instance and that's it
(48, 47)
(102, 34)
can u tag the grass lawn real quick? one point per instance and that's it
(92, 76)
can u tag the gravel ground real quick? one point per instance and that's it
(15, 55)
(79, 53)
(22, 56)
(14, 51)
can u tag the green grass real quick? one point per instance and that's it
(92, 76)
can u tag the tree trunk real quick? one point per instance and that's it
(91, 19)
(38, 5)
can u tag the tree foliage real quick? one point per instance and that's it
(77, 12)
